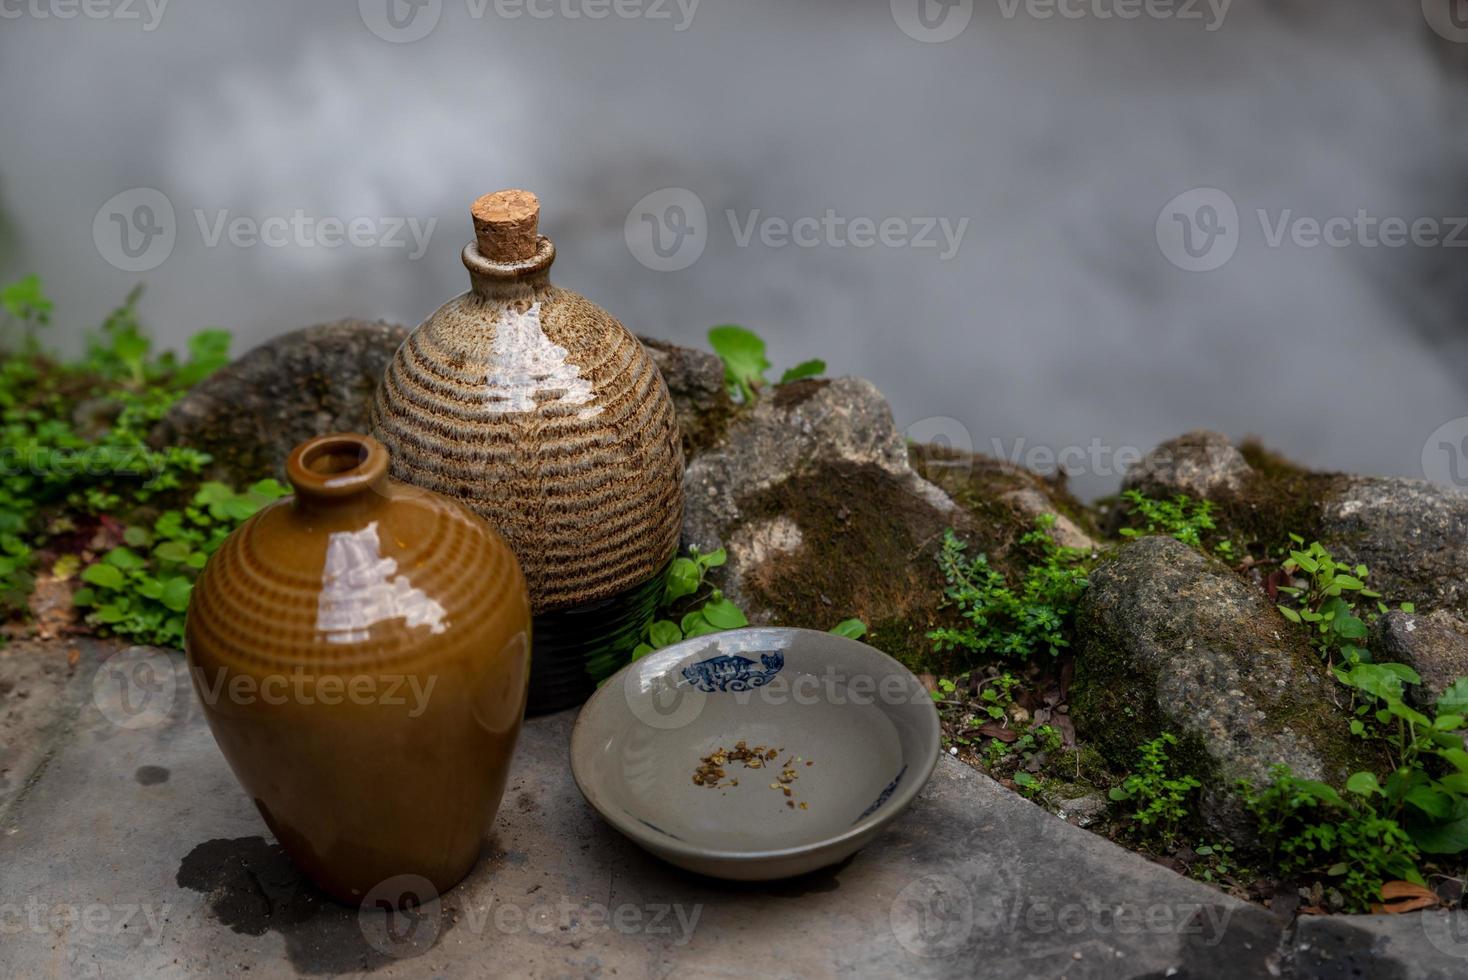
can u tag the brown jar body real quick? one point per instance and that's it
(362, 653)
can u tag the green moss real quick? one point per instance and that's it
(867, 552)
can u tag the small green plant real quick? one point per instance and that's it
(140, 589)
(1157, 793)
(745, 364)
(1310, 828)
(1325, 602)
(1216, 863)
(1002, 621)
(1182, 517)
(691, 607)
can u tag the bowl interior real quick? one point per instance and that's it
(844, 728)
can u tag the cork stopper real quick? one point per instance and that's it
(505, 225)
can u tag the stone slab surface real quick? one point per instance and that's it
(127, 849)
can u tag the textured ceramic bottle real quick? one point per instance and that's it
(362, 653)
(545, 416)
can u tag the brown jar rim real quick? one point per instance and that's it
(338, 465)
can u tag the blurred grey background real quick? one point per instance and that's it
(1058, 321)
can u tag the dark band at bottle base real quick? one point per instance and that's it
(573, 650)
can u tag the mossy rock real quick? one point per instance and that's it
(812, 491)
(1171, 640)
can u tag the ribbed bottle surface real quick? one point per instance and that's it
(546, 417)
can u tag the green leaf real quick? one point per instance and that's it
(853, 629)
(1363, 784)
(641, 650)
(713, 559)
(1430, 801)
(1442, 838)
(1447, 723)
(1455, 699)
(743, 353)
(138, 537)
(104, 576)
(174, 551)
(805, 369)
(1350, 627)
(124, 558)
(683, 579)
(176, 593)
(663, 633)
(724, 614)
(1288, 613)
(696, 625)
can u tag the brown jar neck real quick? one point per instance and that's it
(510, 280)
(344, 473)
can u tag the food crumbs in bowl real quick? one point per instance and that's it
(711, 771)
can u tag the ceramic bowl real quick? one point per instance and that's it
(853, 727)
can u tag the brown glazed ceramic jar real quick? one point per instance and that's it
(361, 650)
(545, 416)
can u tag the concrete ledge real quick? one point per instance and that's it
(133, 851)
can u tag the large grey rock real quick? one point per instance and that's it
(1412, 535)
(1171, 640)
(252, 413)
(811, 491)
(1433, 644)
(695, 380)
(1201, 464)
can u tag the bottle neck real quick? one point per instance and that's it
(341, 474)
(509, 281)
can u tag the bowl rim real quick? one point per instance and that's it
(662, 843)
